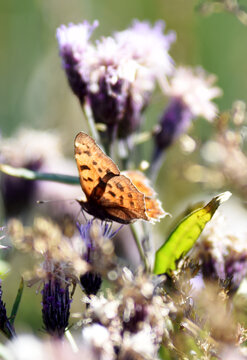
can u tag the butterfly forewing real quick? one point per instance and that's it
(93, 164)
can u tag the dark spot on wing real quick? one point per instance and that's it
(95, 162)
(130, 195)
(112, 193)
(132, 203)
(100, 170)
(87, 152)
(84, 167)
(121, 199)
(84, 179)
(78, 152)
(120, 187)
(110, 186)
(90, 179)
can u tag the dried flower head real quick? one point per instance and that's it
(98, 339)
(61, 255)
(134, 313)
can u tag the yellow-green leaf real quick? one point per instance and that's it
(184, 236)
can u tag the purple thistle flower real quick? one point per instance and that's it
(233, 269)
(74, 47)
(18, 194)
(173, 123)
(149, 46)
(190, 92)
(91, 281)
(108, 104)
(117, 74)
(222, 256)
(55, 307)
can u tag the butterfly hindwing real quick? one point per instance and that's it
(153, 206)
(121, 194)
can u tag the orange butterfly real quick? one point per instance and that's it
(111, 195)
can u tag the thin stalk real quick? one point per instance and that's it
(155, 166)
(34, 175)
(71, 340)
(139, 247)
(87, 111)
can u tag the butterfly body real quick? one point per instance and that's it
(92, 208)
(110, 194)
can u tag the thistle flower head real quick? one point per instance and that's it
(190, 91)
(32, 149)
(58, 271)
(98, 339)
(60, 254)
(222, 255)
(75, 51)
(73, 39)
(135, 313)
(18, 193)
(98, 253)
(56, 306)
(148, 46)
(118, 73)
(196, 89)
(173, 123)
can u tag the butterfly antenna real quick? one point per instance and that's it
(51, 201)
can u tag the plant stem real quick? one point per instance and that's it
(139, 247)
(34, 175)
(90, 121)
(71, 340)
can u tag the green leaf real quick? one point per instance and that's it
(185, 235)
(17, 302)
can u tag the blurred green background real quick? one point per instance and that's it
(34, 90)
